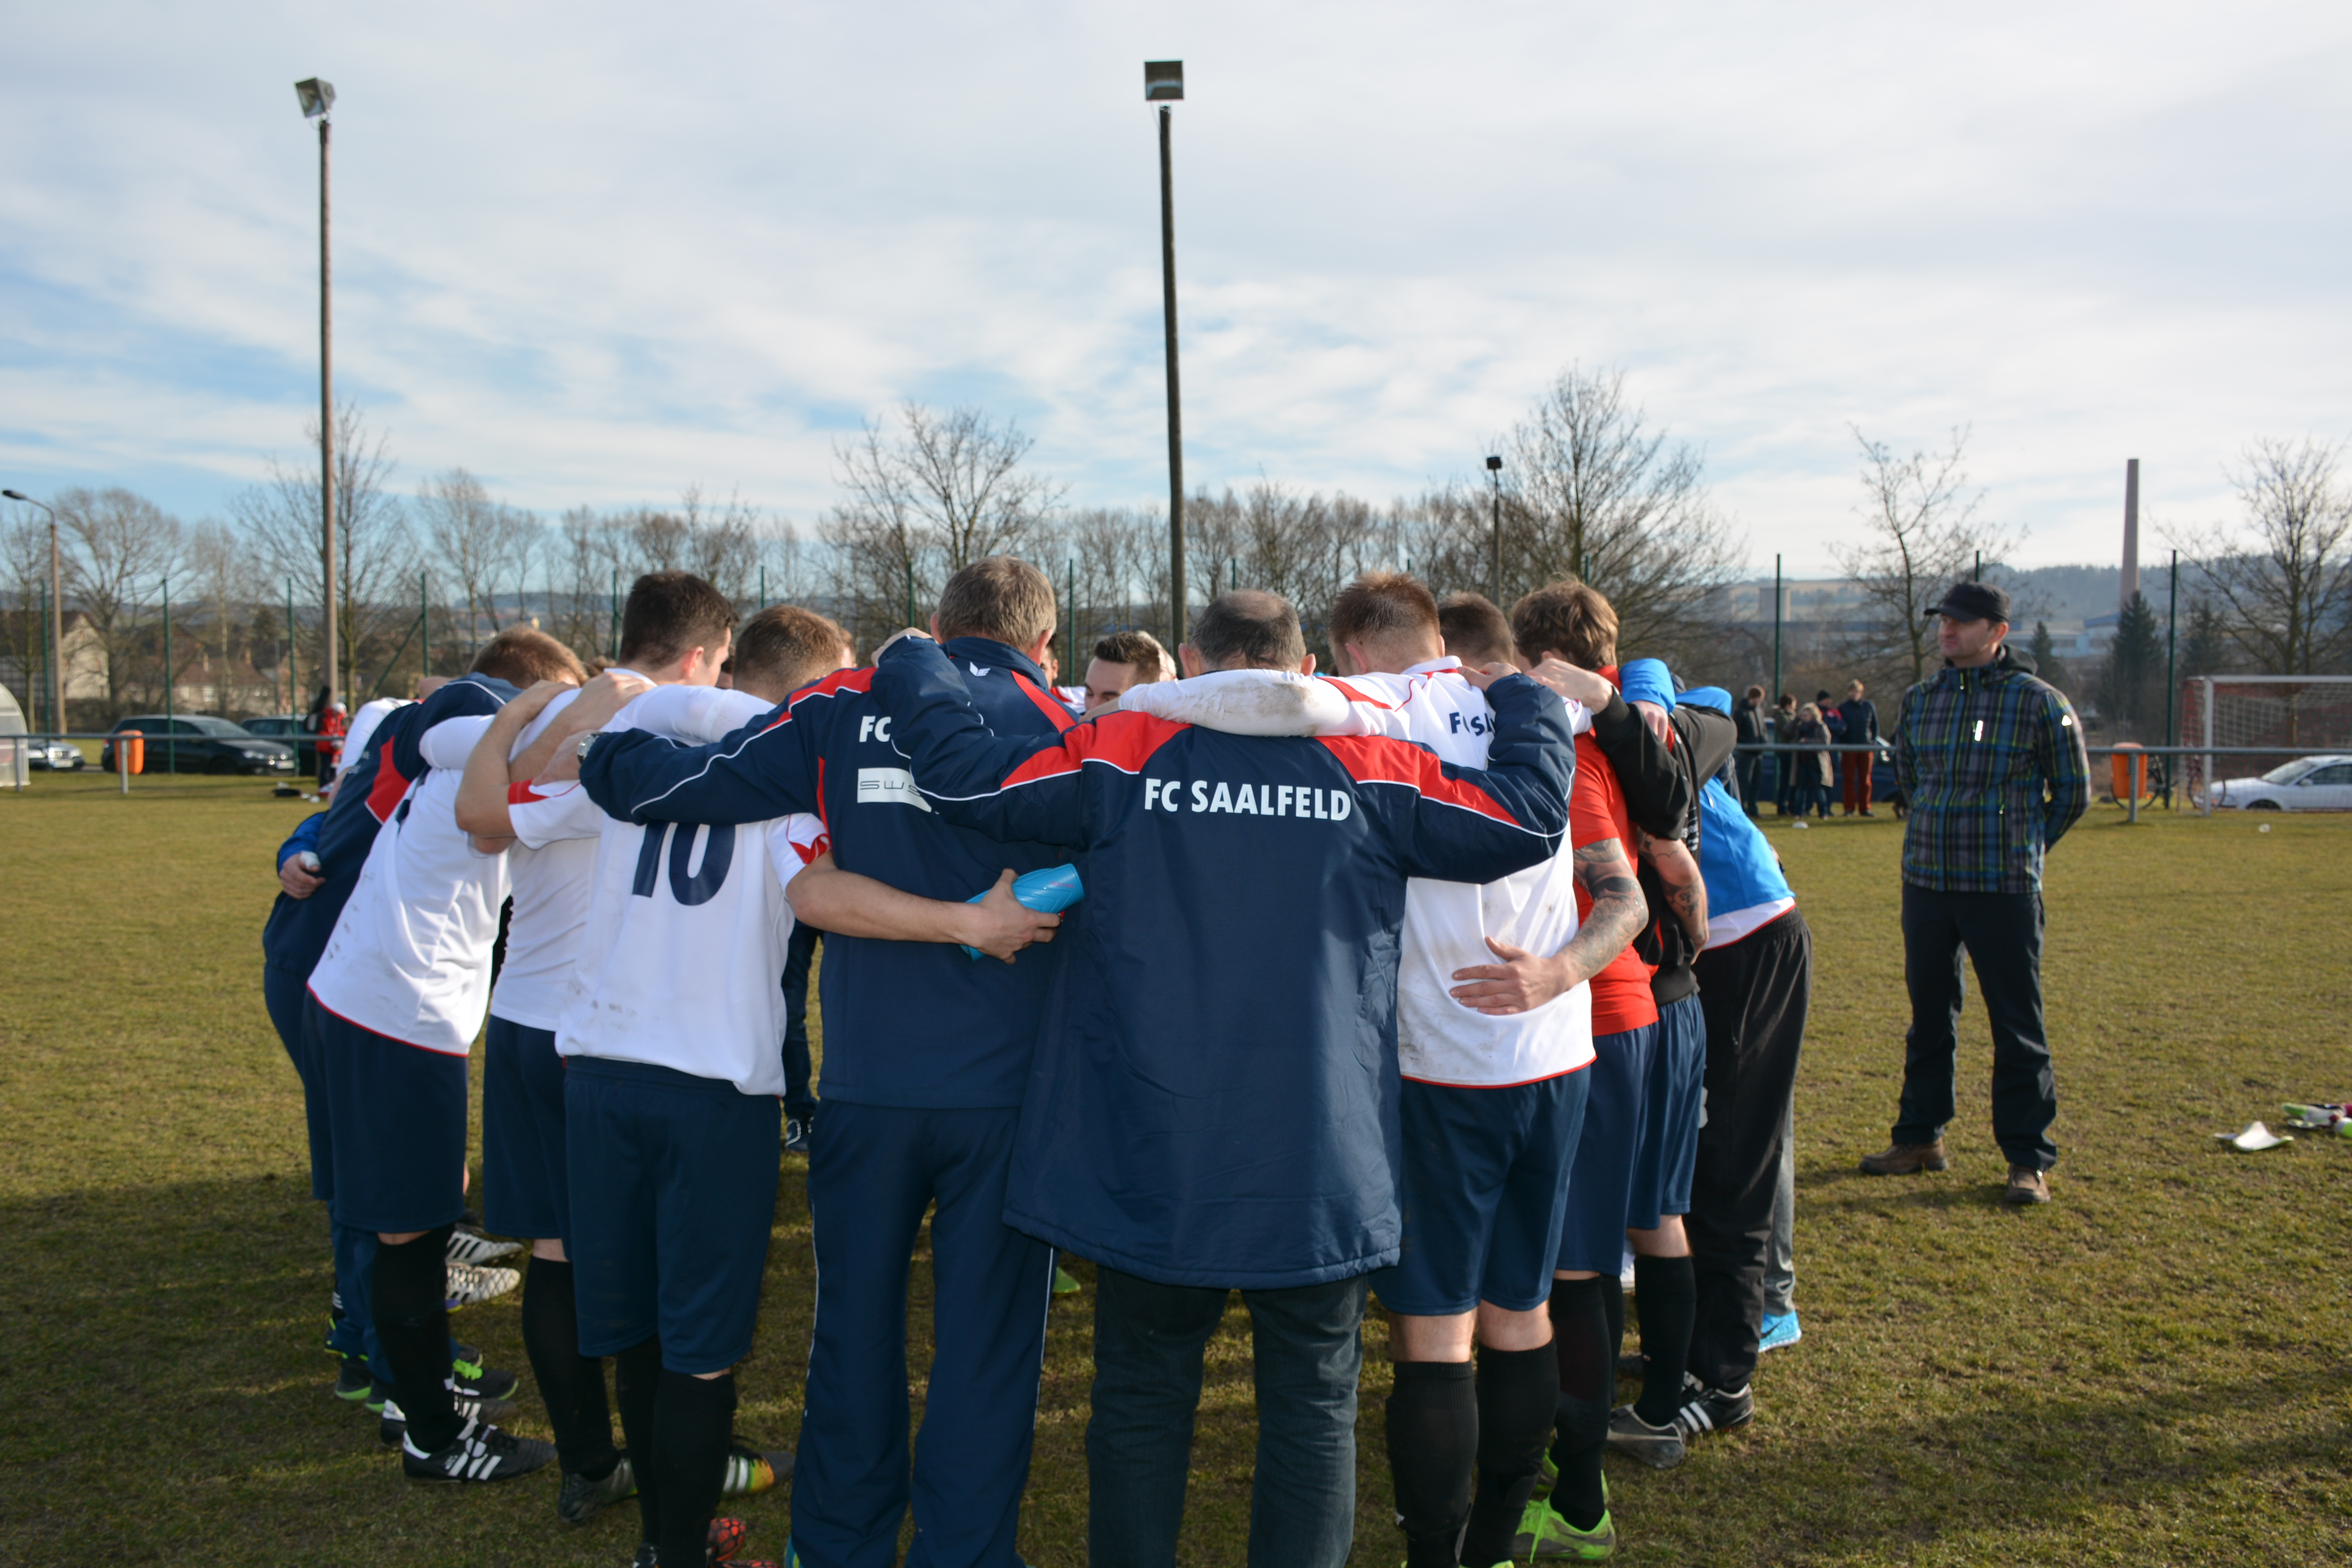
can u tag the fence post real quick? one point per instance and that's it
(2205, 781)
(170, 687)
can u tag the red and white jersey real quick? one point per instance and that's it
(363, 729)
(682, 962)
(410, 956)
(1439, 1040)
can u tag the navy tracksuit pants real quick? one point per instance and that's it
(872, 1173)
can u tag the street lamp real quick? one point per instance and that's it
(317, 96)
(1495, 564)
(56, 616)
(1163, 83)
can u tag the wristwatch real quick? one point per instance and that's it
(580, 753)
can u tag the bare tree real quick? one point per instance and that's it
(123, 548)
(25, 578)
(376, 572)
(926, 500)
(2281, 580)
(1920, 533)
(476, 538)
(221, 573)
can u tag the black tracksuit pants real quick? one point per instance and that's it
(1755, 994)
(2002, 933)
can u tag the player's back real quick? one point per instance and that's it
(684, 945)
(410, 956)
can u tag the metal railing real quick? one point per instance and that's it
(2203, 803)
(16, 762)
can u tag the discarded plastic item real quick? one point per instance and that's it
(1049, 892)
(2321, 1118)
(1800, 822)
(2254, 1140)
(2265, 828)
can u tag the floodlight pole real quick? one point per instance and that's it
(1495, 553)
(322, 96)
(1176, 601)
(56, 618)
(2172, 676)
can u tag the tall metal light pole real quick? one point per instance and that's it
(1163, 83)
(57, 617)
(317, 96)
(1495, 555)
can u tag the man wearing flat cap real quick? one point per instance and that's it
(1992, 761)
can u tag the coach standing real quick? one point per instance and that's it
(1992, 761)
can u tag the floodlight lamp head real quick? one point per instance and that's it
(317, 96)
(16, 495)
(1494, 465)
(1163, 81)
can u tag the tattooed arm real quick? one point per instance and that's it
(1525, 981)
(1683, 892)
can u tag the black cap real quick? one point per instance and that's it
(1974, 602)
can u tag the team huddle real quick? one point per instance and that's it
(1446, 979)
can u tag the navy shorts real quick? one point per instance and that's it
(284, 993)
(673, 1196)
(1601, 1182)
(1662, 1170)
(398, 1112)
(524, 1181)
(1484, 1188)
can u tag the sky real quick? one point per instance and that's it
(596, 253)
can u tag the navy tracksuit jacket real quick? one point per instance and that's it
(1214, 1098)
(926, 1054)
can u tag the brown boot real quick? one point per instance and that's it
(2026, 1185)
(1905, 1160)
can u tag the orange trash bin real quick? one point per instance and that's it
(131, 751)
(2127, 768)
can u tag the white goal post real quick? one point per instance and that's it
(2295, 713)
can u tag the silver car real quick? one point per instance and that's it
(60, 756)
(2306, 783)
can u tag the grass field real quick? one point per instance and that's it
(2156, 1368)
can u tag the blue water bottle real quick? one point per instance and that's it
(1049, 892)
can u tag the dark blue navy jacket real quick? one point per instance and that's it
(907, 1024)
(371, 791)
(1214, 1100)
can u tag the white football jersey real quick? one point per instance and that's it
(410, 956)
(363, 730)
(548, 872)
(1439, 1040)
(682, 962)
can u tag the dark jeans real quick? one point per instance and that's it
(1755, 994)
(799, 1103)
(1307, 1351)
(1753, 771)
(2002, 933)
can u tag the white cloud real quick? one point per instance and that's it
(594, 252)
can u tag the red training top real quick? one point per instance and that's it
(1596, 811)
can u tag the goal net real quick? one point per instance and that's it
(2297, 714)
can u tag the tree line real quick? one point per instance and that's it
(1588, 485)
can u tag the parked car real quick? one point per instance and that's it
(200, 743)
(2306, 783)
(286, 726)
(60, 756)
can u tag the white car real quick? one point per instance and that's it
(2306, 783)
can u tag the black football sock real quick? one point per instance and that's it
(570, 1384)
(1612, 1305)
(1588, 1377)
(1668, 1292)
(1518, 1394)
(694, 1420)
(412, 1323)
(1432, 1429)
(636, 1380)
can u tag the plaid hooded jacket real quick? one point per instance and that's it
(1993, 762)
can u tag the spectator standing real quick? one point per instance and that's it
(1861, 724)
(1992, 761)
(1812, 764)
(1753, 725)
(1784, 761)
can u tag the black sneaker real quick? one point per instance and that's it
(582, 1500)
(353, 1381)
(750, 1469)
(796, 1135)
(1632, 1364)
(392, 1429)
(479, 1453)
(1708, 1410)
(472, 1380)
